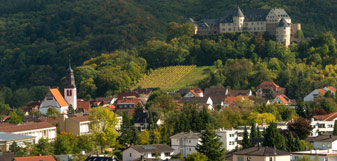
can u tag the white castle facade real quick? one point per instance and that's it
(274, 21)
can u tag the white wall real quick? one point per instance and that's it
(187, 146)
(134, 154)
(47, 133)
(71, 100)
(311, 96)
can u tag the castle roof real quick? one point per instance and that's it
(283, 23)
(238, 13)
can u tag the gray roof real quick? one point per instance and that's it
(261, 151)
(238, 13)
(322, 138)
(197, 100)
(152, 148)
(186, 135)
(280, 12)
(283, 23)
(12, 137)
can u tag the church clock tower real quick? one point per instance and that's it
(70, 93)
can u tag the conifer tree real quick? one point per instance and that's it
(273, 137)
(258, 132)
(211, 146)
(335, 129)
(246, 142)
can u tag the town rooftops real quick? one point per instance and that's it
(6, 127)
(333, 89)
(80, 118)
(10, 137)
(322, 91)
(202, 100)
(234, 93)
(215, 91)
(35, 158)
(327, 117)
(58, 97)
(152, 148)
(128, 95)
(322, 138)
(100, 158)
(186, 135)
(268, 85)
(261, 151)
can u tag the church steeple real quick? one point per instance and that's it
(70, 77)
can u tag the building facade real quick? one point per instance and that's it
(274, 21)
(154, 151)
(185, 143)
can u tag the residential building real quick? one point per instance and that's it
(191, 92)
(323, 123)
(7, 139)
(317, 155)
(284, 100)
(229, 138)
(199, 101)
(37, 129)
(141, 120)
(100, 158)
(236, 93)
(155, 151)
(274, 21)
(323, 142)
(319, 92)
(260, 153)
(129, 104)
(185, 143)
(269, 89)
(35, 158)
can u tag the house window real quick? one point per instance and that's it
(330, 126)
(239, 159)
(154, 155)
(189, 149)
(167, 154)
(69, 93)
(270, 158)
(130, 155)
(189, 141)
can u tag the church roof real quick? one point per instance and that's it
(58, 97)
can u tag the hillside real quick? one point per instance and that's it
(174, 77)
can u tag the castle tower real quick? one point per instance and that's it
(238, 19)
(70, 93)
(283, 32)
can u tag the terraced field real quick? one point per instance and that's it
(166, 77)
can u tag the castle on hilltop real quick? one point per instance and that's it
(274, 21)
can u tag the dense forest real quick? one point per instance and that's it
(38, 37)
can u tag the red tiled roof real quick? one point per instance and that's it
(58, 97)
(84, 104)
(35, 158)
(49, 120)
(229, 100)
(112, 107)
(194, 93)
(283, 99)
(268, 85)
(333, 89)
(327, 117)
(135, 101)
(322, 91)
(80, 118)
(6, 127)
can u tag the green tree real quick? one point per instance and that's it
(103, 126)
(304, 158)
(246, 142)
(15, 118)
(144, 137)
(84, 143)
(196, 157)
(43, 147)
(128, 131)
(253, 131)
(273, 137)
(14, 148)
(52, 112)
(64, 143)
(211, 146)
(71, 109)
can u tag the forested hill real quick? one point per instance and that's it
(38, 35)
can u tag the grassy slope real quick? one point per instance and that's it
(174, 77)
(193, 78)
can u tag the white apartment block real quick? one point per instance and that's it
(319, 155)
(323, 124)
(185, 143)
(323, 142)
(155, 151)
(38, 130)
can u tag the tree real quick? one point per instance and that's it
(52, 112)
(103, 126)
(71, 109)
(196, 157)
(84, 143)
(14, 148)
(335, 128)
(301, 127)
(253, 131)
(211, 146)
(128, 131)
(144, 137)
(15, 118)
(246, 142)
(64, 143)
(43, 147)
(304, 158)
(273, 137)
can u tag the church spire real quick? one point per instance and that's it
(70, 77)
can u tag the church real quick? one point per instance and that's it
(276, 22)
(54, 98)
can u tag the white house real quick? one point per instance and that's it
(317, 154)
(7, 139)
(200, 101)
(319, 92)
(323, 123)
(155, 151)
(323, 142)
(261, 154)
(229, 138)
(37, 129)
(185, 143)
